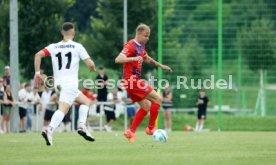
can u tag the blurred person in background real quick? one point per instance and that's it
(3, 101)
(89, 93)
(45, 99)
(120, 104)
(20, 86)
(40, 82)
(130, 106)
(50, 108)
(2, 88)
(109, 110)
(167, 104)
(29, 98)
(7, 108)
(23, 99)
(101, 83)
(6, 77)
(37, 104)
(202, 103)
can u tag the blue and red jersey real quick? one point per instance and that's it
(133, 49)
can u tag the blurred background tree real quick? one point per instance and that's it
(189, 34)
(39, 25)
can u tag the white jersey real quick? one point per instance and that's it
(65, 60)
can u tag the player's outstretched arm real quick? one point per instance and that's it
(90, 64)
(121, 59)
(149, 60)
(37, 62)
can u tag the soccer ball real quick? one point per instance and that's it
(160, 135)
(188, 128)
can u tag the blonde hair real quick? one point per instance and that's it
(142, 27)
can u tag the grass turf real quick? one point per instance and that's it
(183, 148)
(229, 122)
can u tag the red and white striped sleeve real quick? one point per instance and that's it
(46, 52)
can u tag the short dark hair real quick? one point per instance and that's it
(101, 68)
(67, 26)
(27, 85)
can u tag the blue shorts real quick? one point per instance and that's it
(130, 111)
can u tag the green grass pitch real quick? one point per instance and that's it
(182, 148)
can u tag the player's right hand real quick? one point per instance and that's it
(139, 59)
(37, 78)
(92, 68)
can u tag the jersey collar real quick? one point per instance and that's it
(64, 41)
(136, 42)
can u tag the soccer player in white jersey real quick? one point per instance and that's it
(65, 56)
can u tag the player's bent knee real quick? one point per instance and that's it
(147, 109)
(65, 111)
(88, 103)
(158, 100)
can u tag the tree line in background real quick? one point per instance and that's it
(247, 27)
(190, 40)
(99, 27)
(189, 30)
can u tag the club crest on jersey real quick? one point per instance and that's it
(125, 50)
(146, 89)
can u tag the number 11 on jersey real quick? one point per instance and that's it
(69, 57)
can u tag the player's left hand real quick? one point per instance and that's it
(165, 67)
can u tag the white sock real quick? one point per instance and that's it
(67, 127)
(83, 112)
(200, 127)
(197, 127)
(56, 120)
(60, 127)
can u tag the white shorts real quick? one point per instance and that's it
(68, 93)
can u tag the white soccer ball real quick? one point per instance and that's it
(160, 135)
